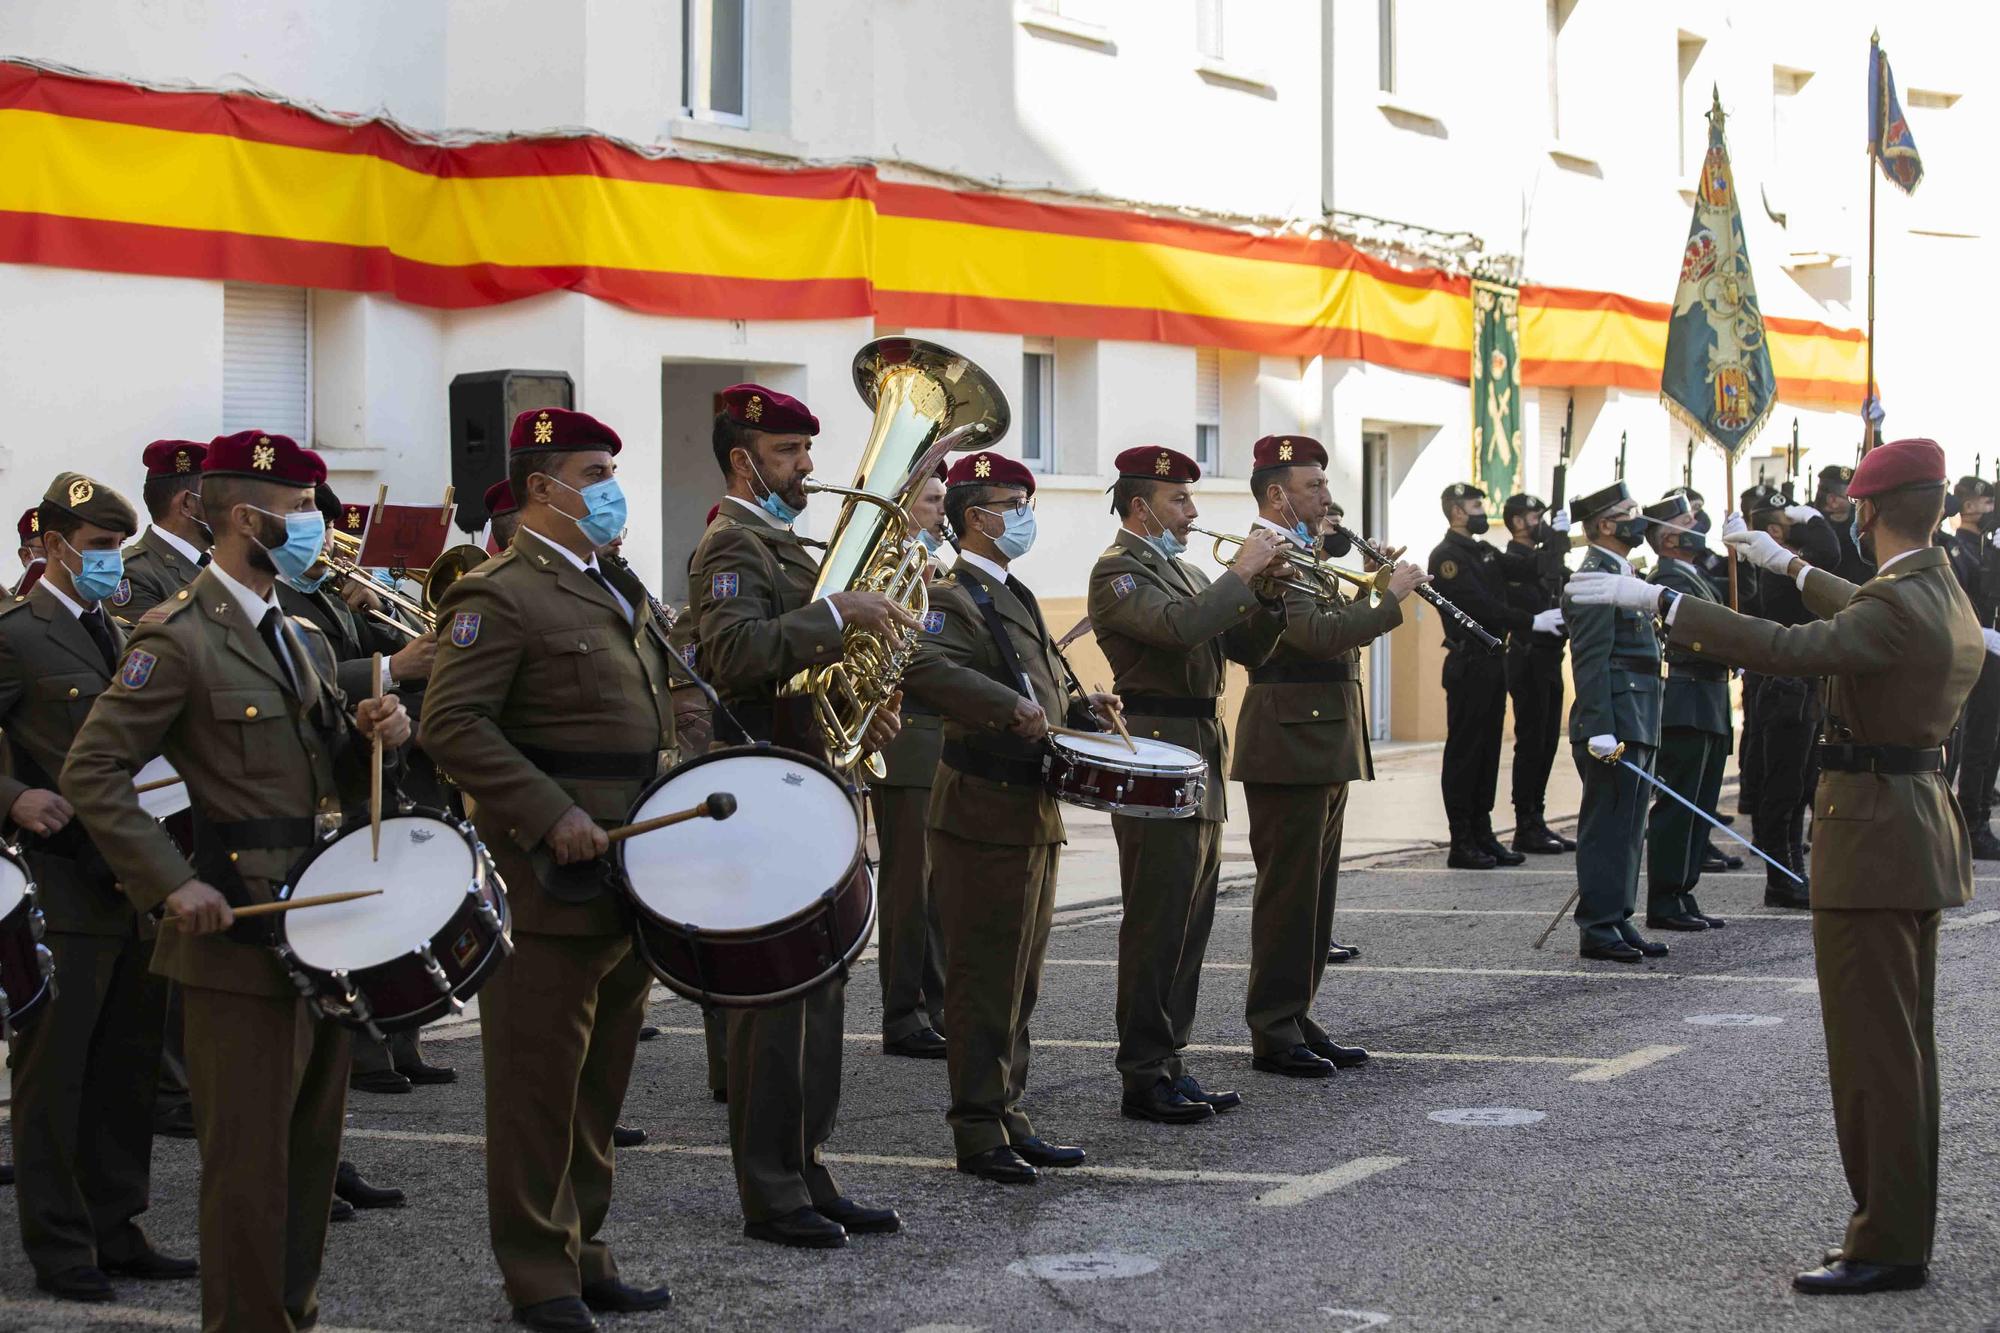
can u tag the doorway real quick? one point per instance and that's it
(1374, 525)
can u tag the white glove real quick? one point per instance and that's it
(1992, 637)
(1602, 747)
(1801, 513)
(1551, 621)
(1760, 549)
(1994, 537)
(1732, 523)
(1560, 519)
(1619, 590)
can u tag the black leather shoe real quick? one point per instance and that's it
(1187, 1087)
(7, 1174)
(1985, 847)
(1340, 1057)
(152, 1266)
(1468, 855)
(1162, 1105)
(176, 1122)
(340, 1210)
(802, 1228)
(1494, 848)
(1787, 894)
(427, 1075)
(348, 1185)
(1298, 1062)
(1713, 861)
(625, 1136)
(648, 1032)
(1038, 1151)
(614, 1297)
(1714, 922)
(1001, 1164)
(861, 1221)
(564, 1314)
(1536, 840)
(719, 1094)
(1569, 844)
(923, 1044)
(1649, 948)
(1851, 1277)
(1336, 952)
(379, 1080)
(1618, 952)
(1687, 923)
(82, 1283)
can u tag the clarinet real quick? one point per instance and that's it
(663, 615)
(1424, 590)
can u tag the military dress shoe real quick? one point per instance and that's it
(1713, 861)
(564, 1314)
(1985, 847)
(1340, 1057)
(340, 1210)
(1336, 952)
(82, 1283)
(1686, 923)
(648, 1032)
(1298, 1062)
(859, 1220)
(1468, 855)
(802, 1228)
(1002, 1164)
(174, 1121)
(1163, 1105)
(7, 1174)
(1851, 1277)
(1787, 894)
(1714, 922)
(611, 1296)
(1496, 849)
(1536, 840)
(625, 1136)
(1186, 1086)
(1618, 951)
(719, 1094)
(348, 1185)
(1647, 948)
(386, 1081)
(428, 1075)
(152, 1266)
(1038, 1151)
(923, 1044)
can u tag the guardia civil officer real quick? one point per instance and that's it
(1832, 500)
(1535, 566)
(1976, 563)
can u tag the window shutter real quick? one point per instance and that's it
(1207, 386)
(266, 367)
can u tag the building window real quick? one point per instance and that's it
(715, 64)
(1695, 101)
(1385, 45)
(1208, 28)
(267, 360)
(1563, 71)
(1207, 407)
(1789, 145)
(1038, 404)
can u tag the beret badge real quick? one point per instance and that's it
(80, 491)
(545, 430)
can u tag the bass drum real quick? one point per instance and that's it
(761, 907)
(27, 968)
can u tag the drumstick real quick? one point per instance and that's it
(291, 904)
(156, 784)
(1074, 734)
(375, 777)
(1118, 721)
(719, 805)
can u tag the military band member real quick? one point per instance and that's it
(1534, 566)
(1976, 564)
(503, 516)
(1301, 737)
(1890, 850)
(1467, 571)
(1168, 634)
(84, 1072)
(758, 625)
(1694, 734)
(986, 661)
(1615, 659)
(29, 529)
(174, 547)
(243, 703)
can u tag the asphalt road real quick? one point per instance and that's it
(1673, 1175)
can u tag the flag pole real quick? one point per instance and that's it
(1729, 485)
(1874, 146)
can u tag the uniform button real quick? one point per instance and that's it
(1697, 646)
(1156, 735)
(1241, 609)
(582, 647)
(251, 711)
(326, 802)
(819, 647)
(233, 856)
(1315, 712)
(1829, 809)
(72, 691)
(183, 594)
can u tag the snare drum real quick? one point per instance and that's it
(760, 907)
(1160, 781)
(27, 968)
(163, 801)
(405, 957)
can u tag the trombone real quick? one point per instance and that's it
(342, 558)
(1319, 579)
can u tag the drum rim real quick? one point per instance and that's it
(860, 856)
(1131, 763)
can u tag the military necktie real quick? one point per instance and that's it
(99, 630)
(269, 631)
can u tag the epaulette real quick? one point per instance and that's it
(1113, 550)
(167, 610)
(507, 558)
(13, 604)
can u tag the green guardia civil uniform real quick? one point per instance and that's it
(1694, 748)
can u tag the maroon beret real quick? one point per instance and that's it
(30, 526)
(1900, 463)
(560, 430)
(1151, 462)
(713, 510)
(986, 468)
(167, 458)
(261, 456)
(768, 410)
(500, 498)
(1287, 451)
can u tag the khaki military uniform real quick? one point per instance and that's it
(154, 571)
(265, 767)
(547, 694)
(1890, 851)
(757, 625)
(695, 727)
(1301, 737)
(83, 1072)
(996, 838)
(1168, 633)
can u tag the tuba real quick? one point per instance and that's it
(928, 401)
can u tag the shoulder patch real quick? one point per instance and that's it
(122, 593)
(465, 629)
(933, 622)
(1448, 569)
(138, 669)
(1124, 585)
(722, 585)
(688, 652)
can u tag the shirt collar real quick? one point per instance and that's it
(760, 512)
(1883, 568)
(984, 566)
(1618, 562)
(585, 565)
(75, 608)
(253, 606)
(192, 556)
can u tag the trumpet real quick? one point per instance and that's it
(1319, 579)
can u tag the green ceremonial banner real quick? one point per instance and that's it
(1496, 389)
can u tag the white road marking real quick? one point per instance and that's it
(1976, 919)
(1365, 1318)
(1733, 1020)
(1626, 973)
(68, 1314)
(1606, 1070)
(1801, 917)
(1340, 1177)
(1489, 1117)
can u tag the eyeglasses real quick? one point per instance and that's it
(1020, 510)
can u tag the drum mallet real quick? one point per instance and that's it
(292, 904)
(719, 805)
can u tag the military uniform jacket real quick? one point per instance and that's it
(354, 643)
(1534, 573)
(959, 670)
(1166, 630)
(1904, 652)
(751, 588)
(1615, 661)
(1295, 730)
(1467, 571)
(154, 571)
(544, 696)
(199, 686)
(1697, 693)
(1974, 561)
(51, 672)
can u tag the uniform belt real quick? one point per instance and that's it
(918, 710)
(788, 722)
(992, 767)
(1305, 673)
(1648, 665)
(1706, 671)
(1881, 759)
(1171, 705)
(245, 835)
(604, 765)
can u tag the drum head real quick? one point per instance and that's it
(167, 800)
(13, 885)
(795, 834)
(1151, 754)
(425, 870)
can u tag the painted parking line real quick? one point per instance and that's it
(1606, 1070)
(67, 1314)
(1627, 972)
(1282, 1189)
(1802, 918)
(1976, 919)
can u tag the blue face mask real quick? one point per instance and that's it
(1168, 545)
(930, 540)
(305, 534)
(604, 513)
(772, 503)
(100, 576)
(1018, 536)
(304, 584)
(1300, 531)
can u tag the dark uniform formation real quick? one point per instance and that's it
(1535, 566)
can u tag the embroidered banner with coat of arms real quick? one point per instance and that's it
(1496, 388)
(1717, 377)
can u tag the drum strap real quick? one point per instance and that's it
(998, 629)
